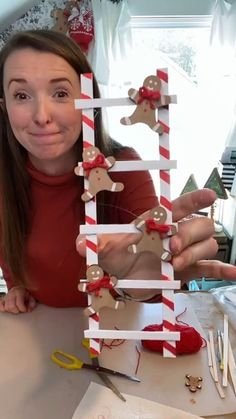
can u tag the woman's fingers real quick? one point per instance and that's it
(2, 305)
(190, 232)
(209, 269)
(191, 202)
(191, 254)
(17, 300)
(10, 305)
(31, 303)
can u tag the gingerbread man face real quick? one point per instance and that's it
(152, 83)
(94, 273)
(90, 154)
(159, 215)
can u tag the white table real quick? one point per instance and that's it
(33, 387)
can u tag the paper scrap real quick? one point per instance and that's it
(100, 402)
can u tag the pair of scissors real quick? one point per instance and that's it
(71, 362)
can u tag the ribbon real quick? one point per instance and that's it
(152, 225)
(150, 95)
(97, 285)
(99, 161)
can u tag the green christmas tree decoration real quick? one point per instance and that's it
(190, 185)
(215, 183)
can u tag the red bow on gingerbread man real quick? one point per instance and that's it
(162, 229)
(99, 161)
(150, 95)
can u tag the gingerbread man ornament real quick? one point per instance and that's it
(96, 166)
(99, 286)
(154, 230)
(148, 98)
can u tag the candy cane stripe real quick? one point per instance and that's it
(164, 152)
(92, 246)
(88, 121)
(89, 220)
(169, 348)
(165, 176)
(166, 203)
(88, 76)
(168, 303)
(163, 75)
(169, 326)
(165, 127)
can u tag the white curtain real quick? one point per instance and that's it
(223, 59)
(112, 39)
(223, 35)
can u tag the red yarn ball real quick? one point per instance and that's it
(190, 340)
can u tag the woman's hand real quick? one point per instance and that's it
(17, 300)
(193, 242)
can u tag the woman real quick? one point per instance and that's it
(41, 208)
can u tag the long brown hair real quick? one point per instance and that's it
(14, 179)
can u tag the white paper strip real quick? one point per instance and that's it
(108, 228)
(131, 334)
(148, 284)
(138, 165)
(100, 103)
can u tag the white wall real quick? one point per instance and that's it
(170, 7)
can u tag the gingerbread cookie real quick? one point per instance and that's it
(96, 167)
(61, 22)
(99, 286)
(193, 383)
(154, 230)
(148, 98)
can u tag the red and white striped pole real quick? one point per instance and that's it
(90, 207)
(169, 347)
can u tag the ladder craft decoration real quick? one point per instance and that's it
(158, 100)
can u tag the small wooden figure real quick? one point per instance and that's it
(154, 231)
(99, 286)
(193, 383)
(148, 98)
(61, 22)
(96, 166)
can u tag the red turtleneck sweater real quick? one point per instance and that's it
(54, 267)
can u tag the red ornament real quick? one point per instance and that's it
(190, 340)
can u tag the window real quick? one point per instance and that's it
(199, 122)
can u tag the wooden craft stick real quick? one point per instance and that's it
(225, 351)
(220, 350)
(213, 356)
(217, 384)
(232, 366)
(209, 354)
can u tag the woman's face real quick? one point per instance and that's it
(40, 89)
